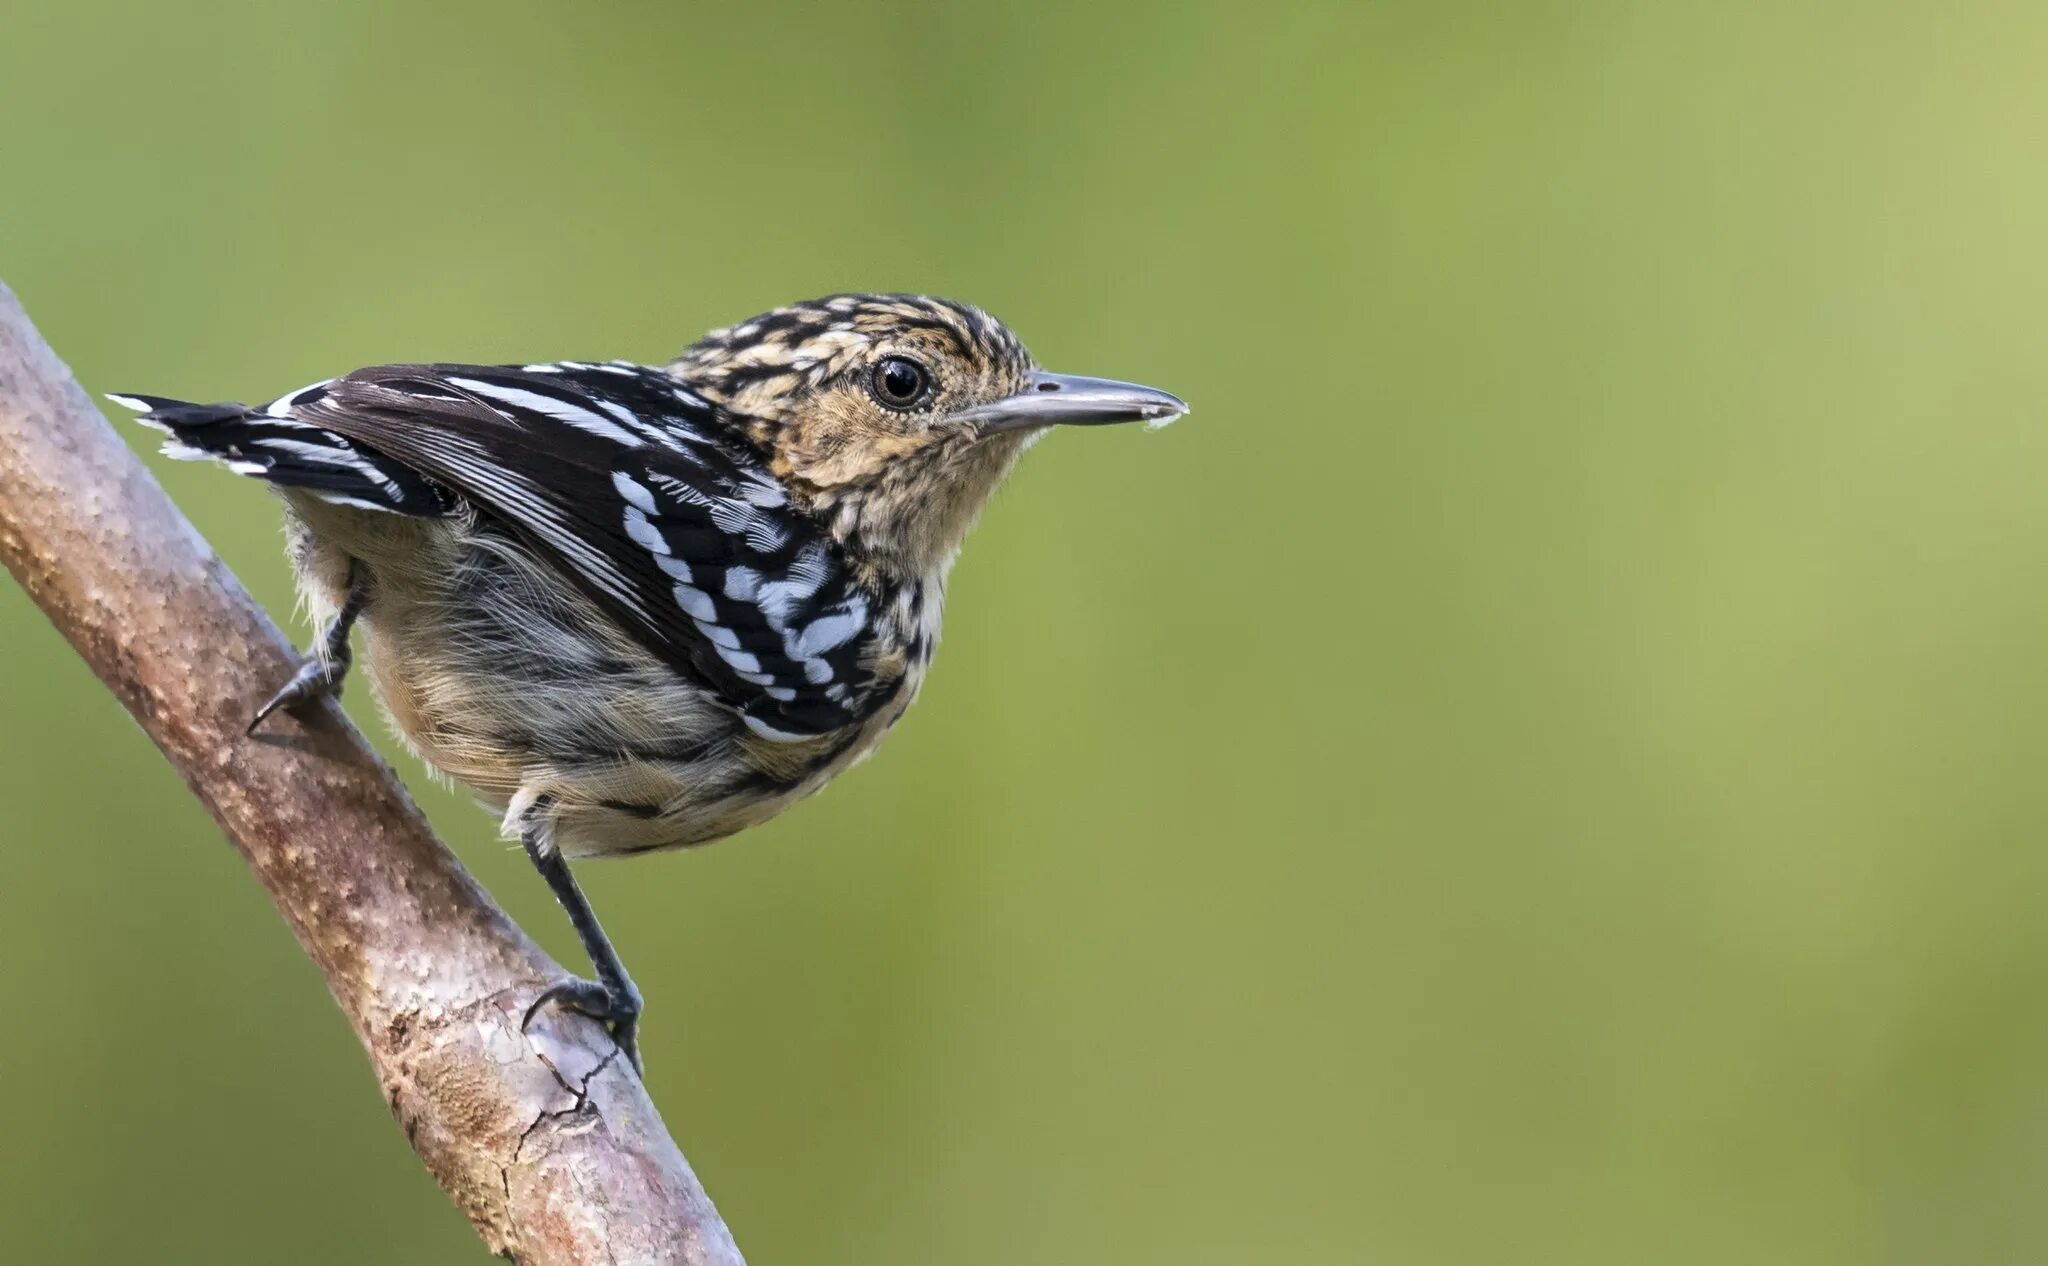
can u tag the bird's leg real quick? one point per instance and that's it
(321, 674)
(612, 998)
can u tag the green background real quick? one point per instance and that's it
(1543, 765)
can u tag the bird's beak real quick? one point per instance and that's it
(1071, 400)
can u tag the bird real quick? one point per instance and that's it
(636, 607)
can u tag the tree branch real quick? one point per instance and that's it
(546, 1139)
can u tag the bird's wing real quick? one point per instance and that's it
(655, 504)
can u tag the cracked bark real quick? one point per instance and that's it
(545, 1139)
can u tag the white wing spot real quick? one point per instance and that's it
(632, 490)
(741, 661)
(828, 632)
(742, 583)
(778, 598)
(763, 493)
(731, 518)
(810, 566)
(644, 534)
(763, 534)
(721, 637)
(696, 604)
(676, 568)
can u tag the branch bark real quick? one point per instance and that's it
(545, 1139)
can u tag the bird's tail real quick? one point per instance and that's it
(275, 446)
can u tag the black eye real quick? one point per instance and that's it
(900, 382)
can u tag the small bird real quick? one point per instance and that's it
(637, 607)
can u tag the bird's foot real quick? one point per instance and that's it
(616, 1007)
(316, 678)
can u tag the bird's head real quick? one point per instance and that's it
(895, 416)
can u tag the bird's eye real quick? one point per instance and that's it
(900, 382)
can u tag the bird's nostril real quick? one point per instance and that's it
(1048, 386)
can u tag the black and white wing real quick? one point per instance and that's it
(652, 500)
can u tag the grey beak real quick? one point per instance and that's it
(1071, 400)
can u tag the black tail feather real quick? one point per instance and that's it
(274, 446)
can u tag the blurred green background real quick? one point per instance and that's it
(1543, 765)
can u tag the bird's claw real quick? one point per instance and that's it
(316, 678)
(617, 1009)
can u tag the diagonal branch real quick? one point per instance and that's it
(545, 1140)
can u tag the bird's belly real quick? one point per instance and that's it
(638, 763)
(519, 689)
(510, 683)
